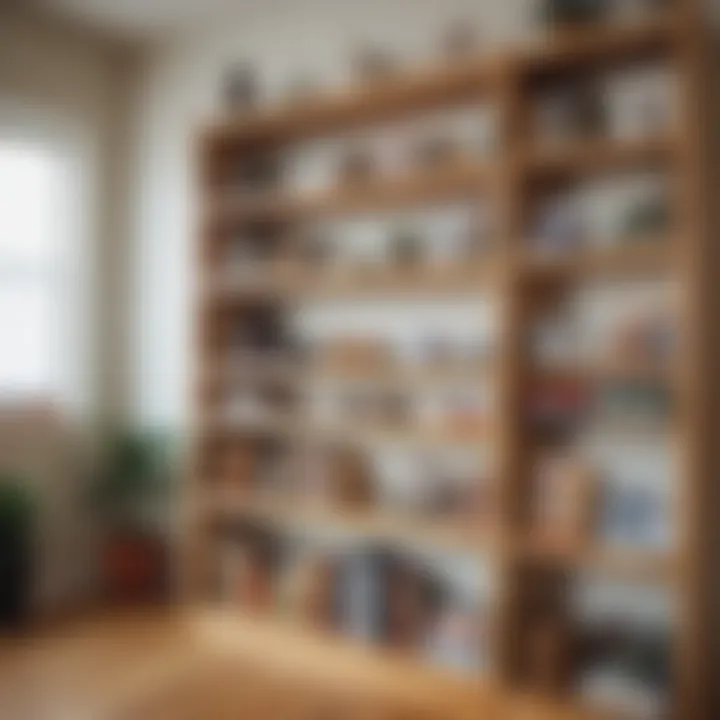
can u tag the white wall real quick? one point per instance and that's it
(180, 89)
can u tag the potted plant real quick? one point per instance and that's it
(130, 495)
(17, 521)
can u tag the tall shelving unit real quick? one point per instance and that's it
(518, 280)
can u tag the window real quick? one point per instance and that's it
(31, 224)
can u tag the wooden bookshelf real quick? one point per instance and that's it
(513, 275)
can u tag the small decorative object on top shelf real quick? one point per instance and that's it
(555, 13)
(460, 40)
(373, 64)
(240, 87)
(302, 89)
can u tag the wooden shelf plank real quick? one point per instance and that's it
(297, 283)
(646, 259)
(293, 428)
(643, 566)
(462, 180)
(596, 155)
(458, 535)
(411, 377)
(258, 368)
(606, 369)
(281, 426)
(378, 436)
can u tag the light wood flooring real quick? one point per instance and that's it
(212, 666)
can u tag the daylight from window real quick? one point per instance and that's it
(29, 268)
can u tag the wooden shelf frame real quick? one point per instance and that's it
(505, 79)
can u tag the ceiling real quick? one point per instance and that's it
(136, 19)
(146, 19)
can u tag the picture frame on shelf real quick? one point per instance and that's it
(240, 88)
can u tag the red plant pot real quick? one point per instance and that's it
(134, 567)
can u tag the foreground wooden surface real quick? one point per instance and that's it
(210, 666)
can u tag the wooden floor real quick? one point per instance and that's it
(172, 666)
